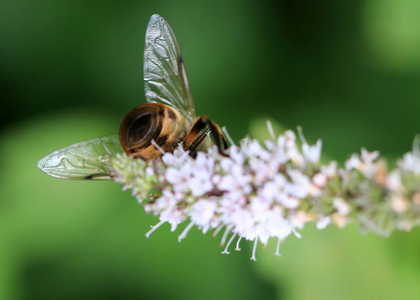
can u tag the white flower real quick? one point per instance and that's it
(254, 149)
(342, 207)
(302, 186)
(393, 182)
(369, 157)
(172, 175)
(410, 162)
(366, 165)
(236, 181)
(178, 158)
(229, 205)
(179, 175)
(150, 171)
(258, 192)
(272, 188)
(287, 145)
(339, 220)
(278, 190)
(243, 223)
(312, 153)
(277, 226)
(173, 217)
(167, 201)
(263, 171)
(300, 218)
(353, 162)
(235, 153)
(320, 179)
(330, 170)
(203, 214)
(326, 172)
(200, 184)
(399, 204)
(323, 222)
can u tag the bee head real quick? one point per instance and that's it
(140, 126)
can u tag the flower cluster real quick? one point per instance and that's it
(259, 191)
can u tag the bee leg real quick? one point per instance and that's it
(199, 131)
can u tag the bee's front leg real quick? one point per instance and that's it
(198, 133)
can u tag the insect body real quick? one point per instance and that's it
(152, 122)
(170, 117)
(167, 119)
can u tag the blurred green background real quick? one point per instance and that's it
(347, 71)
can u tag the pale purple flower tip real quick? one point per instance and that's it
(260, 191)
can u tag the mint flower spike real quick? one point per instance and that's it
(272, 189)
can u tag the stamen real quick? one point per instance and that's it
(186, 153)
(237, 244)
(297, 234)
(154, 228)
(226, 133)
(277, 253)
(183, 235)
(254, 250)
(271, 130)
(416, 146)
(228, 244)
(217, 230)
(158, 147)
(225, 234)
(301, 136)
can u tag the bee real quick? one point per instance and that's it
(148, 130)
(169, 118)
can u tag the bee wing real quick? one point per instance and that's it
(164, 70)
(83, 160)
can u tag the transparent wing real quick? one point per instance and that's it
(83, 160)
(165, 78)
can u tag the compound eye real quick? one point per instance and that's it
(139, 127)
